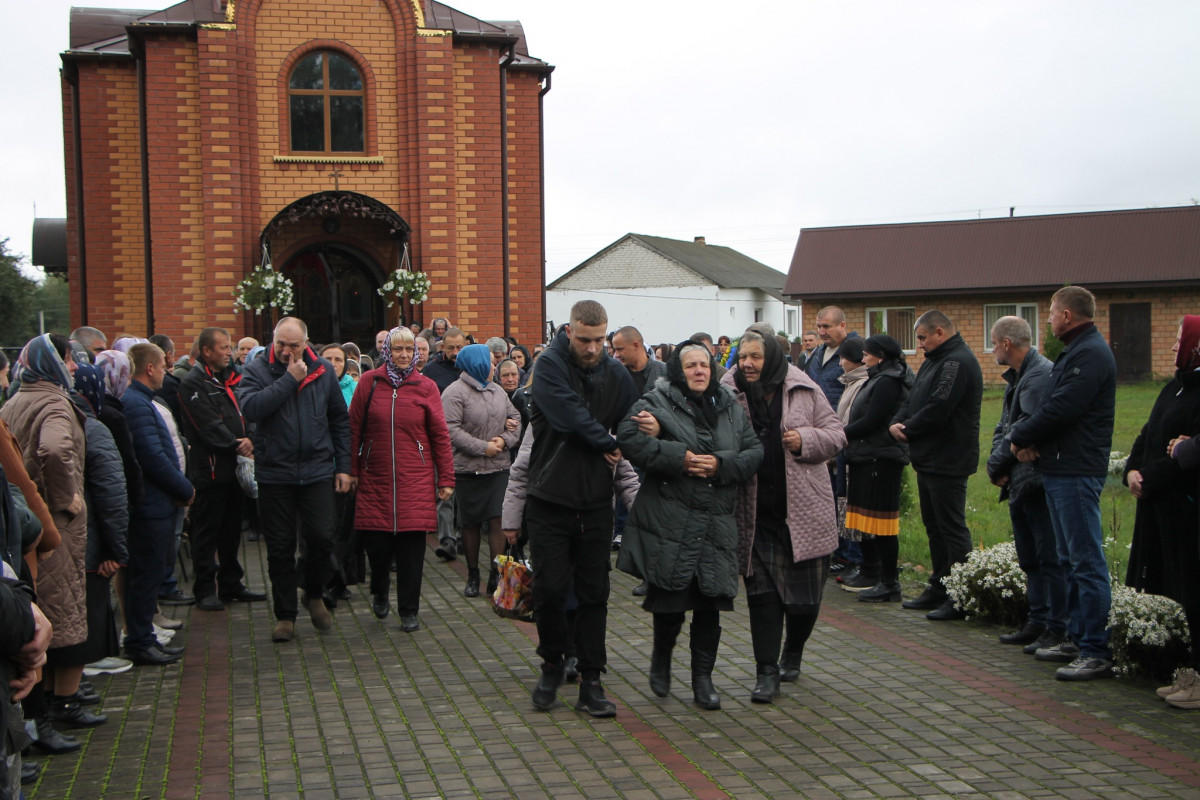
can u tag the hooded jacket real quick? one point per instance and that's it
(302, 429)
(574, 412)
(683, 527)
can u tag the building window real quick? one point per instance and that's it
(991, 313)
(896, 323)
(758, 315)
(793, 322)
(326, 105)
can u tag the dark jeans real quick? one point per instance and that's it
(171, 556)
(1074, 503)
(216, 535)
(944, 513)
(1039, 556)
(285, 511)
(148, 542)
(408, 548)
(570, 545)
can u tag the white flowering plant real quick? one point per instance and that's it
(404, 283)
(264, 289)
(1148, 634)
(1116, 463)
(990, 586)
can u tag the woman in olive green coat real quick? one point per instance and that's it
(695, 448)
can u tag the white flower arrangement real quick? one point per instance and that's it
(404, 283)
(1116, 463)
(990, 586)
(263, 289)
(1148, 633)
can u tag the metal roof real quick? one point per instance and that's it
(1153, 246)
(724, 266)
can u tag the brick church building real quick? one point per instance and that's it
(336, 136)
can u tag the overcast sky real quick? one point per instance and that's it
(744, 122)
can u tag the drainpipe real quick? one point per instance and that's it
(542, 194)
(145, 147)
(76, 132)
(512, 55)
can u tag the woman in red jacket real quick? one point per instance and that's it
(402, 463)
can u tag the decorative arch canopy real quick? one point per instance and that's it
(335, 204)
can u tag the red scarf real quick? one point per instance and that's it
(1187, 358)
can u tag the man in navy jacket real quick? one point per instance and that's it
(152, 524)
(301, 457)
(1069, 437)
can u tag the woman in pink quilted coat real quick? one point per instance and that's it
(787, 523)
(401, 460)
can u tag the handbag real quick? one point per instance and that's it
(513, 598)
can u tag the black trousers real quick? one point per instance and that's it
(570, 545)
(216, 535)
(408, 548)
(147, 541)
(944, 513)
(286, 511)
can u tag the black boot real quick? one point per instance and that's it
(592, 699)
(799, 629)
(767, 687)
(546, 691)
(380, 606)
(51, 740)
(666, 631)
(472, 589)
(789, 667)
(68, 712)
(705, 639)
(493, 581)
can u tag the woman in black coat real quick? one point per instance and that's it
(1164, 557)
(695, 447)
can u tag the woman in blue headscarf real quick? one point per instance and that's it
(483, 427)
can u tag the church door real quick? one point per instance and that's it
(336, 294)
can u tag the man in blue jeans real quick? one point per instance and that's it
(1069, 437)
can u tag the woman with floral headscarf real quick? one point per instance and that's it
(401, 463)
(115, 370)
(484, 428)
(50, 431)
(1164, 556)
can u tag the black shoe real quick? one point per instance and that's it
(789, 667)
(244, 596)
(68, 713)
(546, 691)
(641, 589)
(860, 582)
(30, 770)
(472, 588)
(380, 607)
(176, 598)
(947, 611)
(850, 574)
(1047, 639)
(704, 693)
(1027, 635)
(493, 582)
(766, 689)
(616, 545)
(410, 623)
(571, 669)
(926, 601)
(167, 649)
(445, 551)
(53, 741)
(592, 700)
(881, 593)
(210, 603)
(151, 657)
(86, 697)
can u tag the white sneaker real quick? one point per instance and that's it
(107, 666)
(163, 635)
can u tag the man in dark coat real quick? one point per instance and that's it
(216, 431)
(1028, 378)
(579, 395)
(1069, 437)
(940, 422)
(301, 457)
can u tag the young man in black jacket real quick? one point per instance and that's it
(580, 394)
(216, 431)
(940, 422)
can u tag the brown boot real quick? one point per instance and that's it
(285, 631)
(322, 620)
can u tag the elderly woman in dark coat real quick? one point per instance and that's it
(1164, 556)
(695, 448)
(787, 521)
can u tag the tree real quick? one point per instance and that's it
(16, 295)
(53, 300)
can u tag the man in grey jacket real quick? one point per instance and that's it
(1028, 378)
(301, 457)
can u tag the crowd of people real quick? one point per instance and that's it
(709, 466)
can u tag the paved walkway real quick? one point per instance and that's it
(889, 705)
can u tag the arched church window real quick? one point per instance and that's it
(326, 105)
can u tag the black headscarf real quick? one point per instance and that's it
(704, 403)
(774, 371)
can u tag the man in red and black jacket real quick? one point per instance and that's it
(216, 431)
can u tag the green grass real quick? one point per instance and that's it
(988, 519)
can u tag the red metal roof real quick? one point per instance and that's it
(1153, 246)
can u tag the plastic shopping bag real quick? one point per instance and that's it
(514, 591)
